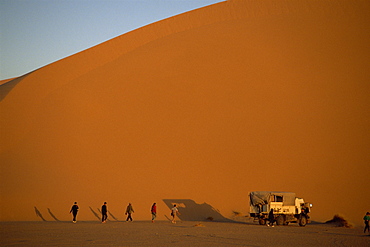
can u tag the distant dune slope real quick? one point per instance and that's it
(207, 106)
(5, 81)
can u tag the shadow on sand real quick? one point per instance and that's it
(112, 216)
(8, 86)
(95, 214)
(38, 213)
(191, 211)
(52, 215)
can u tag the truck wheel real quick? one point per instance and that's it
(262, 221)
(280, 220)
(302, 220)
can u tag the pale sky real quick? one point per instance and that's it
(34, 33)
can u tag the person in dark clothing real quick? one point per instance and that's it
(104, 212)
(74, 211)
(366, 221)
(129, 211)
(271, 218)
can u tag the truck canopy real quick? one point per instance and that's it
(264, 197)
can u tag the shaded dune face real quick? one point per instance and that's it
(206, 106)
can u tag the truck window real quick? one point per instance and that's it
(279, 199)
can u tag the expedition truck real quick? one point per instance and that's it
(286, 206)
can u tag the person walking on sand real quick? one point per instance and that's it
(153, 210)
(104, 212)
(74, 211)
(367, 220)
(129, 211)
(271, 218)
(174, 212)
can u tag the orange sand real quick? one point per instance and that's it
(208, 105)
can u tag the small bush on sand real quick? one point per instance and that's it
(339, 221)
(210, 218)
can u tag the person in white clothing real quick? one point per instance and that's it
(174, 212)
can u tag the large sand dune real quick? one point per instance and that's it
(208, 105)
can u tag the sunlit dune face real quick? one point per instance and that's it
(205, 106)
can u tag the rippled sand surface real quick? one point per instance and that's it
(163, 233)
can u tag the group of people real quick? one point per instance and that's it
(129, 212)
(175, 212)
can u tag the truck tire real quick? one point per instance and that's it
(280, 220)
(302, 220)
(262, 221)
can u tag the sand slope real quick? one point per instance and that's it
(207, 106)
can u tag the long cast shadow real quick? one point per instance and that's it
(191, 211)
(94, 213)
(52, 215)
(112, 216)
(38, 213)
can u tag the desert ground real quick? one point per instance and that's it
(186, 233)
